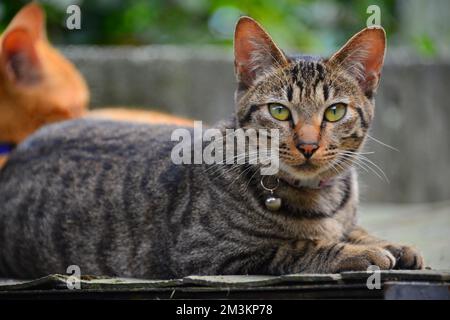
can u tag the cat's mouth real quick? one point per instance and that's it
(306, 166)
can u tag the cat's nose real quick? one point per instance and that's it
(307, 148)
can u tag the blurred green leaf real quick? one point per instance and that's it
(426, 45)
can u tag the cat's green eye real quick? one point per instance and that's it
(279, 112)
(335, 112)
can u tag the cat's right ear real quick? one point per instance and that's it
(254, 52)
(19, 58)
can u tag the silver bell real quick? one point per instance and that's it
(273, 204)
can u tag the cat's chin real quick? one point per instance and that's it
(302, 172)
(310, 175)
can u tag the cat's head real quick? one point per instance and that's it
(322, 107)
(37, 84)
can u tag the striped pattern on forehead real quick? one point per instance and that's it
(309, 76)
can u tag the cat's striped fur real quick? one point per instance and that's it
(107, 197)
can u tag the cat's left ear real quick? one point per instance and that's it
(18, 47)
(19, 58)
(363, 57)
(31, 18)
(254, 52)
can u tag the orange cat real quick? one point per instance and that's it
(39, 86)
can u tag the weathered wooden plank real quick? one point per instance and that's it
(399, 275)
(416, 291)
(227, 281)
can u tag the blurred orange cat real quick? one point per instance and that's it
(39, 86)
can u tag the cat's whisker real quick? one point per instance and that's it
(226, 171)
(239, 175)
(341, 164)
(234, 166)
(251, 156)
(234, 158)
(351, 162)
(238, 167)
(367, 160)
(352, 152)
(382, 143)
(352, 159)
(363, 161)
(332, 166)
(223, 138)
(249, 180)
(230, 167)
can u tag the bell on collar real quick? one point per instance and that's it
(272, 203)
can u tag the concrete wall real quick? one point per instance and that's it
(413, 111)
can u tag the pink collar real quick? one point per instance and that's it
(310, 183)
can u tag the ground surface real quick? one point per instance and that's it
(426, 226)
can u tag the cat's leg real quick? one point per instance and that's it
(328, 257)
(407, 257)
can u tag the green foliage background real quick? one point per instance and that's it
(305, 25)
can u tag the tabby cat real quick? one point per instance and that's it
(107, 197)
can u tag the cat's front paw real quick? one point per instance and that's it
(360, 258)
(407, 258)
